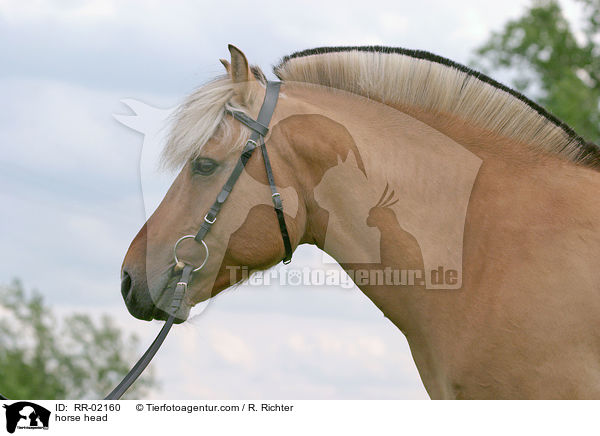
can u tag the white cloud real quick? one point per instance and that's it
(150, 45)
(61, 127)
(231, 348)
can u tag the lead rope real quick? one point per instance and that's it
(141, 364)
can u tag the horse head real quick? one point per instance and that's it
(205, 144)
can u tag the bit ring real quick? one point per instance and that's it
(190, 237)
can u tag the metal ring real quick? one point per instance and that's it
(190, 237)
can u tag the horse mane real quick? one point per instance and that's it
(390, 75)
(420, 79)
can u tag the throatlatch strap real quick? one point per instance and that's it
(278, 205)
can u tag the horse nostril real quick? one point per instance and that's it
(125, 284)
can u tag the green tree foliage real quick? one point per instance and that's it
(43, 357)
(551, 65)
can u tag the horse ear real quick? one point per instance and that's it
(227, 65)
(240, 74)
(240, 71)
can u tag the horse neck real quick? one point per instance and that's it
(433, 165)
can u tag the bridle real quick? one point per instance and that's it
(259, 128)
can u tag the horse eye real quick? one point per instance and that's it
(204, 166)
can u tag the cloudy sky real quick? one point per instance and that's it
(72, 197)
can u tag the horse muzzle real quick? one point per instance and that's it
(140, 302)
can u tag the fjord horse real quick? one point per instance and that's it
(393, 160)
